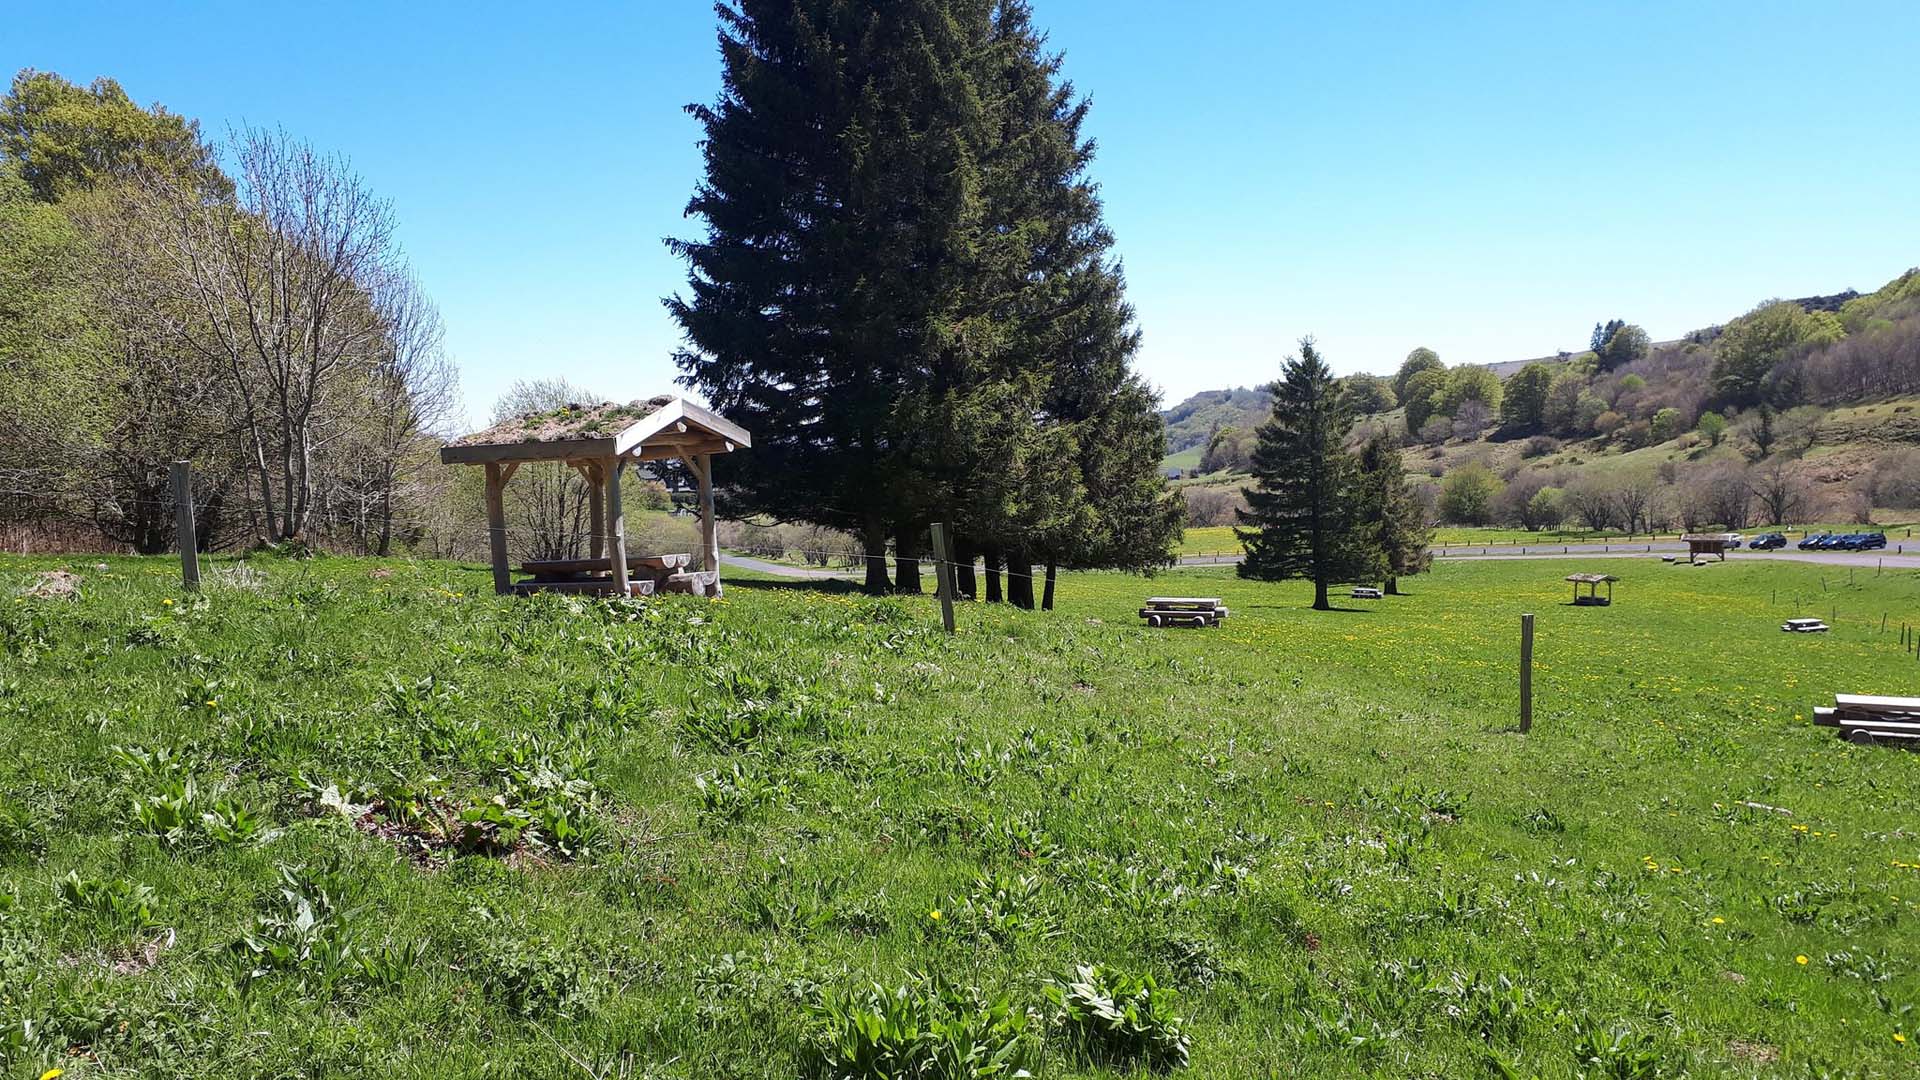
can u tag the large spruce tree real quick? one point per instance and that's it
(1400, 522)
(1307, 509)
(840, 177)
(906, 292)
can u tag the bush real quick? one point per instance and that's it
(1539, 446)
(1467, 495)
(1208, 506)
(1116, 1019)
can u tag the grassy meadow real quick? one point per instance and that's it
(349, 817)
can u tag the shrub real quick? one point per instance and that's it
(1113, 1018)
(1539, 446)
(1467, 495)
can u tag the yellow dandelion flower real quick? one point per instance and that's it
(1899, 1038)
(1801, 959)
(1718, 921)
(50, 1074)
(168, 601)
(213, 702)
(934, 914)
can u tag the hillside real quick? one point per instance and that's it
(1793, 411)
(1190, 422)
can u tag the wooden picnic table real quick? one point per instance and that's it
(564, 568)
(1191, 610)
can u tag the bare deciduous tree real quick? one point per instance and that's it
(1780, 488)
(284, 276)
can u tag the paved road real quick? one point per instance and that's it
(762, 566)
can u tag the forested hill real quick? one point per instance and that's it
(1190, 422)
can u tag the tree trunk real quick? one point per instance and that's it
(1393, 586)
(1020, 580)
(1046, 600)
(875, 541)
(906, 561)
(1320, 595)
(992, 560)
(963, 579)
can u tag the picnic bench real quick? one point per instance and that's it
(1366, 592)
(1183, 611)
(646, 575)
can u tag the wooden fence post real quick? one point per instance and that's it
(1526, 673)
(183, 525)
(943, 572)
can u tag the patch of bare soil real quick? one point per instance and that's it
(53, 585)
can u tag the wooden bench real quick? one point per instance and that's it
(1365, 592)
(1183, 611)
(562, 569)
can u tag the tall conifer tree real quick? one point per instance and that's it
(1402, 532)
(1307, 507)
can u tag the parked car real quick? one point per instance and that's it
(1768, 542)
(1812, 541)
(1873, 541)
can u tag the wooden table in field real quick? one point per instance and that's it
(1184, 611)
(646, 574)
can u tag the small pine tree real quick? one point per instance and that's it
(1307, 507)
(1403, 534)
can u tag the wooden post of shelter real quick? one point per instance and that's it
(709, 528)
(182, 474)
(497, 529)
(943, 572)
(616, 526)
(596, 479)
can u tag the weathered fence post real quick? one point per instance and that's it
(183, 525)
(943, 572)
(1526, 673)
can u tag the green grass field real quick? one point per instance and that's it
(354, 818)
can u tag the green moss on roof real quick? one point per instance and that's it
(599, 420)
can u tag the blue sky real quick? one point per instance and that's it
(1488, 180)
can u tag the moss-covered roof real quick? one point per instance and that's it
(568, 423)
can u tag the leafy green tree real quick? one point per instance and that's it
(1419, 360)
(1422, 397)
(1545, 510)
(1751, 345)
(1399, 521)
(1712, 427)
(1470, 383)
(1666, 424)
(67, 138)
(1523, 400)
(1561, 413)
(1307, 513)
(1623, 344)
(1467, 495)
(1370, 394)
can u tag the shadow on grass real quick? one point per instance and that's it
(834, 586)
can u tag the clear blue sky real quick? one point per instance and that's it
(1488, 180)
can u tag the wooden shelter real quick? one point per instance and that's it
(600, 441)
(1592, 582)
(1699, 544)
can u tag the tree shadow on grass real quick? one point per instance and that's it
(832, 586)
